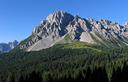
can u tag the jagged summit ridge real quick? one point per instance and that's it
(49, 31)
(60, 24)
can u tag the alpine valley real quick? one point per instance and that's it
(67, 48)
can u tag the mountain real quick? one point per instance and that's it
(6, 47)
(62, 27)
(67, 48)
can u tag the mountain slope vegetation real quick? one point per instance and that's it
(67, 48)
(66, 62)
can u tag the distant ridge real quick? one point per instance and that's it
(6, 47)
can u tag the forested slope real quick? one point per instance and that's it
(76, 62)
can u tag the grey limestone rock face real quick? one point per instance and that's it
(57, 25)
(49, 31)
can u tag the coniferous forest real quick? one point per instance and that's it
(66, 63)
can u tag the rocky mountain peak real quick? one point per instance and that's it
(57, 16)
(60, 24)
(57, 20)
(6, 47)
(50, 30)
(13, 44)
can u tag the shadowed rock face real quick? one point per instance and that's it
(59, 24)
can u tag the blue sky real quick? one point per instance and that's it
(19, 17)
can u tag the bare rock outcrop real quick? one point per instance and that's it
(57, 25)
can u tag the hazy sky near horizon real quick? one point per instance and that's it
(19, 17)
